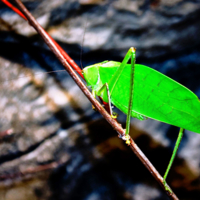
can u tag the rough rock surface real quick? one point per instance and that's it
(59, 148)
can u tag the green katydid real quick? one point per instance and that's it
(140, 91)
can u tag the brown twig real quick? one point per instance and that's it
(97, 105)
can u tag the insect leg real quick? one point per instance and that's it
(113, 81)
(131, 92)
(130, 55)
(94, 95)
(105, 86)
(178, 141)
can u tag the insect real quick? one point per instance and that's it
(142, 92)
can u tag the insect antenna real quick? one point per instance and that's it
(34, 74)
(81, 54)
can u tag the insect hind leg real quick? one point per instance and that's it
(178, 141)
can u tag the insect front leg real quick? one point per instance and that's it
(94, 95)
(101, 90)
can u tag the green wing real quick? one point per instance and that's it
(158, 97)
(155, 95)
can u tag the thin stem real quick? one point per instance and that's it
(97, 105)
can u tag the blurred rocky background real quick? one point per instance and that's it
(52, 144)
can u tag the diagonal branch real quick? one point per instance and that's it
(56, 50)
